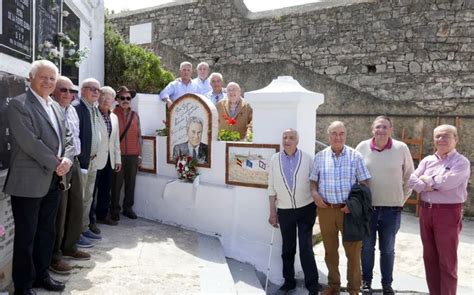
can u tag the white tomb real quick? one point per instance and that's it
(237, 215)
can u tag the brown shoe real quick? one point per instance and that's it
(78, 255)
(330, 291)
(107, 220)
(60, 267)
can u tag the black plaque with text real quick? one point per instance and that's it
(47, 22)
(11, 86)
(16, 34)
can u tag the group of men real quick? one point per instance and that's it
(360, 193)
(234, 113)
(69, 161)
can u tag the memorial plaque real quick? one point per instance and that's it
(16, 33)
(48, 13)
(148, 154)
(11, 86)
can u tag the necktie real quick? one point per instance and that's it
(216, 99)
(194, 153)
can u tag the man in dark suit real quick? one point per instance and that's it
(42, 152)
(193, 147)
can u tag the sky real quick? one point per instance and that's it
(252, 5)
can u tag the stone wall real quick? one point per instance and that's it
(410, 59)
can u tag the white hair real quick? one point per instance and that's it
(88, 81)
(185, 63)
(233, 84)
(107, 89)
(218, 75)
(38, 64)
(203, 63)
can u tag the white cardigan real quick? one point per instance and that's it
(290, 198)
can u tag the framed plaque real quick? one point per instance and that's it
(247, 163)
(148, 155)
(16, 32)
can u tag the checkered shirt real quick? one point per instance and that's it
(336, 175)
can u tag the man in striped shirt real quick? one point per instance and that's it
(335, 170)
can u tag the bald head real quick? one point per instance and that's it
(290, 139)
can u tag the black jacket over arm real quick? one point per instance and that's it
(85, 134)
(356, 223)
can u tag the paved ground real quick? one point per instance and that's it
(144, 257)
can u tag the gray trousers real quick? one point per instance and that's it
(126, 176)
(69, 218)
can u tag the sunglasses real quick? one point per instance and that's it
(71, 91)
(92, 88)
(125, 98)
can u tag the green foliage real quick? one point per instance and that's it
(228, 135)
(132, 65)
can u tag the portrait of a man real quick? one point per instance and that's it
(193, 146)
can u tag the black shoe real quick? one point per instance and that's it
(314, 290)
(21, 291)
(93, 227)
(107, 220)
(387, 289)
(49, 284)
(286, 287)
(366, 287)
(115, 217)
(130, 214)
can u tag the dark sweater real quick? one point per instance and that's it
(357, 222)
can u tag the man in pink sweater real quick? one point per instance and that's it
(390, 163)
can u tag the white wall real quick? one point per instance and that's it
(237, 215)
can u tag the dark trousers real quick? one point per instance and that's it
(125, 176)
(385, 223)
(101, 202)
(34, 235)
(69, 218)
(302, 219)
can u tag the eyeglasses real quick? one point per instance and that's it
(71, 91)
(92, 88)
(125, 98)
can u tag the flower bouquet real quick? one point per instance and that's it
(186, 168)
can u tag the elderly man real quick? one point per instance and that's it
(130, 149)
(335, 170)
(202, 80)
(42, 153)
(89, 124)
(69, 218)
(193, 146)
(441, 179)
(288, 188)
(180, 86)
(217, 93)
(390, 163)
(111, 156)
(235, 114)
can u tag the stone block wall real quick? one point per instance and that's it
(410, 59)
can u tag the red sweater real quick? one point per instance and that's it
(130, 144)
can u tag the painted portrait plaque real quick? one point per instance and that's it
(190, 130)
(247, 163)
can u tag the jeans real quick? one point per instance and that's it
(386, 222)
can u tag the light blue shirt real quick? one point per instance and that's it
(336, 175)
(176, 89)
(215, 98)
(203, 86)
(289, 165)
